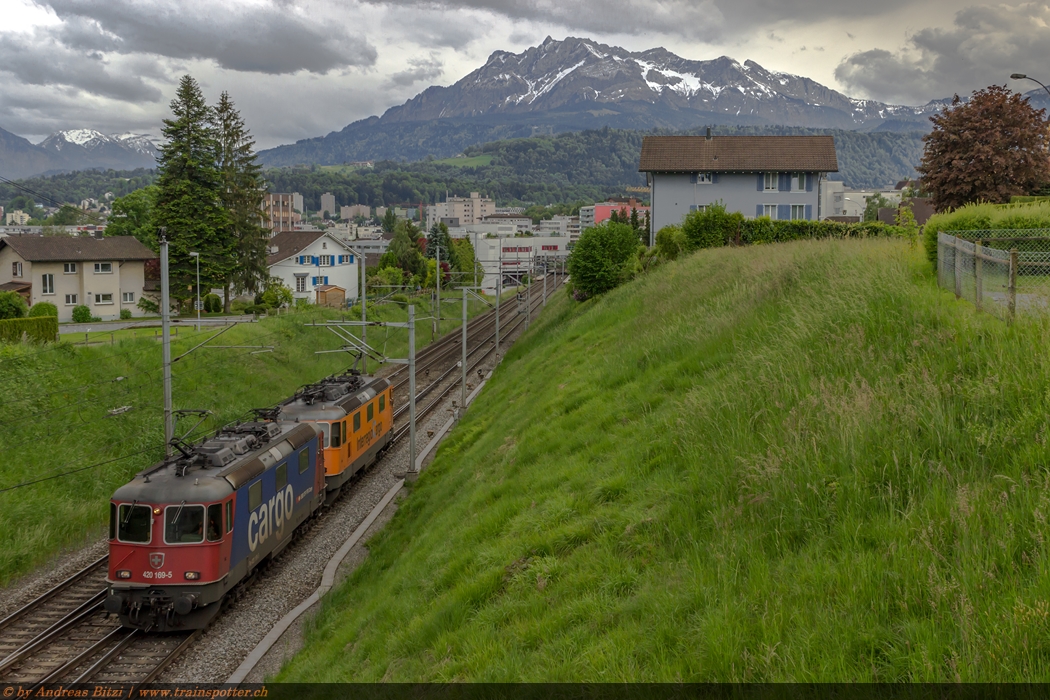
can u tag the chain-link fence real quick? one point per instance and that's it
(1004, 272)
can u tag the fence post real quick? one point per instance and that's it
(978, 285)
(958, 269)
(1013, 283)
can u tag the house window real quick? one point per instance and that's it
(697, 207)
(47, 284)
(703, 178)
(324, 245)
(319, 280)
(71, 300)
(801, 182)
(771, 182)
(798, 211)
(300, 284)
(69, 268)
(769, 210)
(16, 269)
(103, 268)
(326, 260)
(103, 298)
(127, 297)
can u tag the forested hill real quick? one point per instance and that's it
(567, 167)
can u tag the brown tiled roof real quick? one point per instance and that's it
(80, 248)
(289, 243)
(15, 286)
(726, 154)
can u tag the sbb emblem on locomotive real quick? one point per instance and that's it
(186, 531)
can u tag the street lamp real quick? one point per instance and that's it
(861, 208)
(1022, 76)
(198, 256)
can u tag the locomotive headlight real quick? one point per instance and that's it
(123, 573)
(192, 575)
(156, 511)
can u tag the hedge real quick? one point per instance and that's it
(716, 227)
(42, 329)
(984, 217)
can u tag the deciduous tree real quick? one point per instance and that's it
(133, 216)
(990, 148)
(602, 258)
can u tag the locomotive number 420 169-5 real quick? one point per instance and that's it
(157, 574)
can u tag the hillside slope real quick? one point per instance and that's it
(799, 462)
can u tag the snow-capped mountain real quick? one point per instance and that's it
(90, 148)
(580, 75)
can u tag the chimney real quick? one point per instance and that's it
(708, 133)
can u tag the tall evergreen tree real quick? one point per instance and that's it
(189, 202)
(242, 192)
(439, 236)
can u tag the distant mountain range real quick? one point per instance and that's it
(74, 149)
(579, 84)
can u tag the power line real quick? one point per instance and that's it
(76, 471)
(29, 191)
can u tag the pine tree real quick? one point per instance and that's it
(189, 186)
(439, 236)
(242, 192)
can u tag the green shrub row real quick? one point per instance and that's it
(983, 217)
(715, 227)
(41, 328)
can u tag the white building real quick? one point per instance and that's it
(517, 256)
(523, 223)
(105, 274)
(831, 198)
(17, 218)
(562, 225)
(352, 211)
(854, 201)
(306, 260)
(467, 210)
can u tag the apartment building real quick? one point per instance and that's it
(328, 204)
(468, 210)
(283, 211)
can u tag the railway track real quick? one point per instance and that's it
(66, 636)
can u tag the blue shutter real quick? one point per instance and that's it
(714, 178)
(350, 259)
(809, 212)
(340, 261)
(314, 260)
(809, 183)
(760, 176)
(692, 179)
(758, 210)
(326, 279)
(783, 212)
(784, 182)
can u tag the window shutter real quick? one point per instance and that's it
(809, 212)
(760, 176)
(783, 211)
(758, 208)
(784, 184)
(314, 260)
(809, 183)
(692, 179)
(714, 178)
(340, 260)
(326, 279)
(351, 260)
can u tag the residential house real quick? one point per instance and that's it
(105, 274)
(775, 176)
(306, 260)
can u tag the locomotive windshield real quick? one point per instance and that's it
(134, 523)
(183, 524)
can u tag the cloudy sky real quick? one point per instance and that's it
(301, 68)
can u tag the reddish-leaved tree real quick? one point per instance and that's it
(987, 149)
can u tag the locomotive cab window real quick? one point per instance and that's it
(215, 522)
(371, 411)
(336, 435)
(304, 460)
(255, 495)
(183, 524)
(229, 516)
(112, 521)
(357, 421)
(281, 477)
(134, 523)
(382, 402)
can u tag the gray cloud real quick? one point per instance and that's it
(39, 59)
(265, 38)
(419, 69)
(983, 46)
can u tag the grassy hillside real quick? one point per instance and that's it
(794, 462)
(56, 422)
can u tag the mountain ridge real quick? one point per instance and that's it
(74, 149)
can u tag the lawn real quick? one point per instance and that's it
(465, 162)
(794, 462)
(68, 407)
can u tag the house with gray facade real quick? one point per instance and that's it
(776, 176)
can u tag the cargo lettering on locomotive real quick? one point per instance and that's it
(270, 515)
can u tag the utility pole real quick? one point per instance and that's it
(437, 316)
(165, 323)
(499, 292)
(544, 282)
(412, 387)
(528, 294)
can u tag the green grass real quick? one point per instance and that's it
(466, 162)
(55, 412)
(798, 462)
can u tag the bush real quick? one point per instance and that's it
(400, 299)
(12, 305)
(148, 306)
(256, 309)
(40, 328)
(81, 314)
(213, 304)
(125, 314)
(671, 242)
(712, 227)
(602, 259)
(43, 308)
(982, 217)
